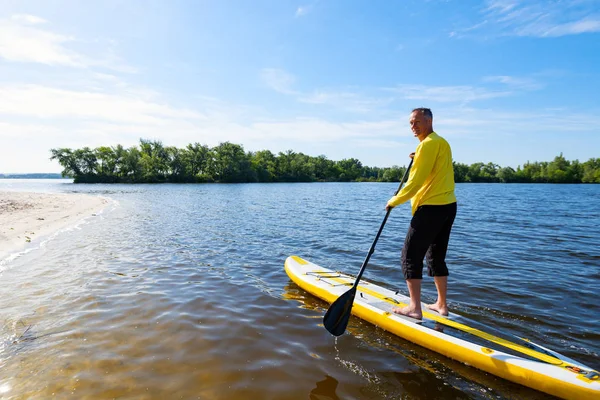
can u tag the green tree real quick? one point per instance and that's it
(322, 168)
(119, 154)
(231, 164)
(351, 168)
(301, 168)
(176, 164)
(393, 174)
(507, 175)
(264, 165)
(591, 171)
(131, 165)
(66, 158)
(228, 162)
(154, 160)
(197, 159)
(558, 170)
(107, 160)
(460, 171)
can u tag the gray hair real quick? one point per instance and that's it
(425, 111)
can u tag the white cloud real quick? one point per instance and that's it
(40, 117)
(23, 40)
(278, 80)
(28, 19)
(464, 94)
(347, 101)
(535, 18)
(501, 6)
(517, 83)
(19, 42)
(461, 33)
(52, 103)
(26, 129)
(303, 10)
(111, 111)
(585, 25)
(282, 82)
(314, 130)
(485, 123)
(459, 94)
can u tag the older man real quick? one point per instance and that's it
(430, 188)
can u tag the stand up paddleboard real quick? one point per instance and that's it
(512, 358)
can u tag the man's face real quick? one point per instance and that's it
(419, 124)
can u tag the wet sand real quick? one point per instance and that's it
(26, 217)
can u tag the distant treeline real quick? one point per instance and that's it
(152, 162)
(31, 176)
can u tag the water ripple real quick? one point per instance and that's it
(180, 292)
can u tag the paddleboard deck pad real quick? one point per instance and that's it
(515, 359)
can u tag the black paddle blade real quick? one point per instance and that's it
(336, 318)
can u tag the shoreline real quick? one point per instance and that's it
(26, 217)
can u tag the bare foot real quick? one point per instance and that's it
(409, 312)
(439, 308)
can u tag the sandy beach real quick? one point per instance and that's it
(27, 217)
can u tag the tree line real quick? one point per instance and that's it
(34, 175)
(152, 162)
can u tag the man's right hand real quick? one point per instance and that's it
(411, 155)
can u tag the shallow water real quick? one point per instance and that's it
(179, 291)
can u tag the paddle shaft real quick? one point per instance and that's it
(337, 316)
(387, 214)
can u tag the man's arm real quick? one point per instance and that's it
(422, 166)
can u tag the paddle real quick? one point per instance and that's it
(336, 318)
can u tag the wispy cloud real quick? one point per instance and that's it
(28, 19)
(306, 9)
(459, 94)
(462, 32)
(25, 38)
(585, 25)
(535, 18)
(515, 83)
(303, 10)
(283, 82)
(113, 108)
(478, 122)
(54, 103)
(347, 101)
(320, 131)
(118, 113)
(278, 80)
(113, 114)
(491, 87)
(21, 42)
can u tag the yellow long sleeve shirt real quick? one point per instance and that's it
(431, 178)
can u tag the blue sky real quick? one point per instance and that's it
(508, 81)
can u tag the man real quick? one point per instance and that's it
(430, 187)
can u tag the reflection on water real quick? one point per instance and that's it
(180, 292)
(418, 385)
(325, 390)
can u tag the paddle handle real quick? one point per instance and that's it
(387, 214)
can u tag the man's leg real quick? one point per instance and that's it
(413, 310)
(441, 306)
(420, 234)
(436, 262)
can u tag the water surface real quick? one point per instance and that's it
(179, 291)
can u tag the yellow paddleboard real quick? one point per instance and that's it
(515, 359)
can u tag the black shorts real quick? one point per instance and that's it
(428, 236)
